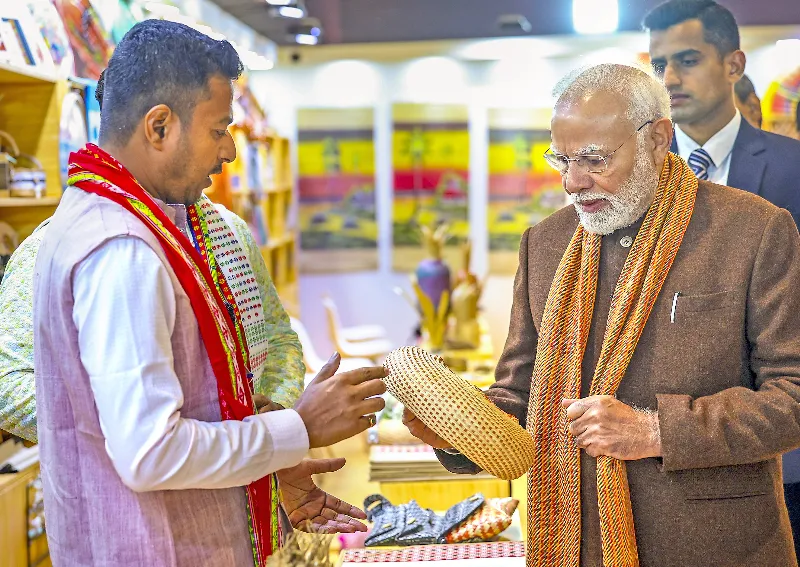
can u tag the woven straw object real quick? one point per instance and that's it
(459, 413)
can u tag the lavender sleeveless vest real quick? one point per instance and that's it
(92, 518)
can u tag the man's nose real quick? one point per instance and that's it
(576, 179)
(228, 153)
(671, 77)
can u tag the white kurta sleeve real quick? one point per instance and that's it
(125, 314)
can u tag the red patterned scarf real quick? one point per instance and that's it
(95, 171)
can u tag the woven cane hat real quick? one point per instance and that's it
(459, 413)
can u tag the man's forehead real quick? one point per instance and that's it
(685, 36)
(586, 128)
(217, 105)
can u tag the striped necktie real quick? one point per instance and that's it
(699, 160)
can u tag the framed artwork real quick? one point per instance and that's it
(430, 158)
(336, 159)
(523, 188)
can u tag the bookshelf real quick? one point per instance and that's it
(258, 187)
(30, 111)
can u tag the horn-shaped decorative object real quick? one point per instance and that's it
(433, 317)
(464, 304)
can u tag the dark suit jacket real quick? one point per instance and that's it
(766, 164)
(724, 377)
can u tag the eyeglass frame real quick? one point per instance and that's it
(550, 153)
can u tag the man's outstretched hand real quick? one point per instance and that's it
(310, 508)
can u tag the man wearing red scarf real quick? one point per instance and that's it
(151, 452)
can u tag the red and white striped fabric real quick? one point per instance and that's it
(490, 550)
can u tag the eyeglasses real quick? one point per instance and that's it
(592, 163)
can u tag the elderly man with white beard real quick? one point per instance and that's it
(653, 351)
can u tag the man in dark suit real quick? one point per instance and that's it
(694, 48)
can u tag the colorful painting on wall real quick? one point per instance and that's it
(430, 158)
(55, 35)
(336, 179)
(91, 43)
(523, 188)
(781, 105)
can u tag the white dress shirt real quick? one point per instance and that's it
(125, 312)
(719, 147)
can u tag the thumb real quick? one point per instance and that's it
(329, 369)
(321, 466)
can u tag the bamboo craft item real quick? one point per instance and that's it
(459, 412)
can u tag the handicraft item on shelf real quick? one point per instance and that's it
(22, 174)
(464, 305)
(433, 275)
(459, 412)
(431, 283)
(303, 550)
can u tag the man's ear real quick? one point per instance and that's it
(734, 64)
(160, 124)
(661, 138)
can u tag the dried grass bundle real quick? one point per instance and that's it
(303, 550)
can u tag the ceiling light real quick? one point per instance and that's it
(306, 39)
(280, 2)
(290, 12)
(595, 16)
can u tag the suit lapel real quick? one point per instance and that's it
(674, 147)
(748, 161)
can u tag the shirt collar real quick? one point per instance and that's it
(175, 213)
(719, 146)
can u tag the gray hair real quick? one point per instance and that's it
(647, 98)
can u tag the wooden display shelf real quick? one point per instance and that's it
(274, 243)
(13, 74)
(279, 189)
(14, 550)
(29, 202)
(290, 297)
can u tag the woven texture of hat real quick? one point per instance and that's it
(459, 413)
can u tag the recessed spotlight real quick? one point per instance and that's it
(306, 39)
(290, 12)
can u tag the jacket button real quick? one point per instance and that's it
(626, 241)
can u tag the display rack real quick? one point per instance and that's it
(266, 202)
(30, 110)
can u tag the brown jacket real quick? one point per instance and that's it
(724, 377)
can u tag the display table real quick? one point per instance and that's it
(501, 553)
(473, 364)
(407, 472)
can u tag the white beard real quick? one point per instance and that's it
(627, 205)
